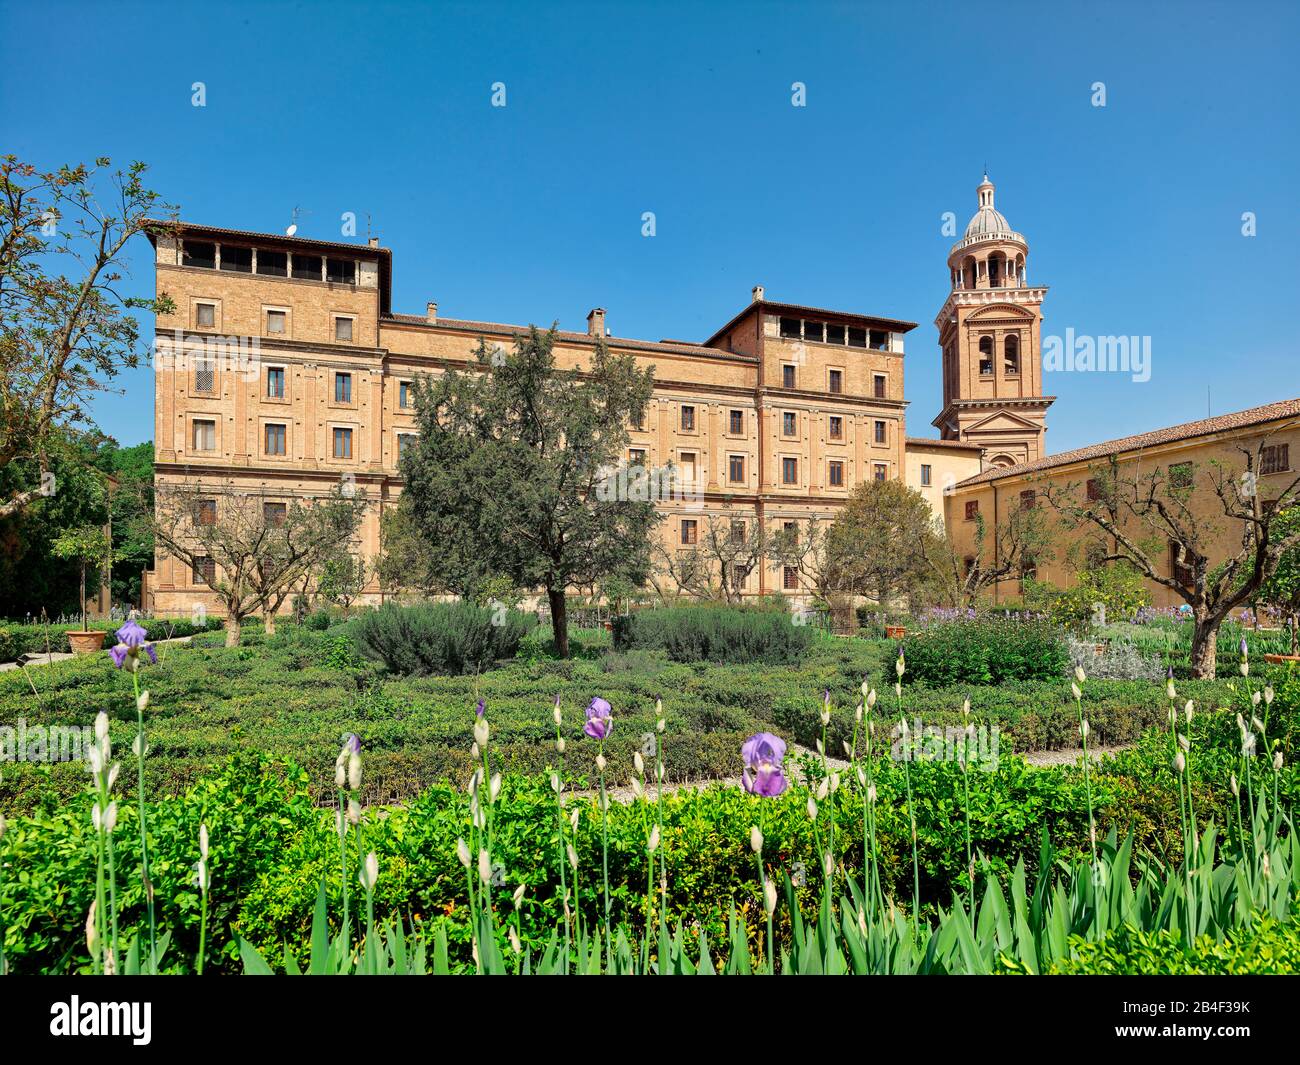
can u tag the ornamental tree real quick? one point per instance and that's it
(503, 477)
(259, 552)
(65, 330)
(1155, 517)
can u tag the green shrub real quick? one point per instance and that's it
(440, 638)
(714, 634)
(18, 639)
(986, 651)
(1266, 948)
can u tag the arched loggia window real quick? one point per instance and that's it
(986, 356)
(1011, 355)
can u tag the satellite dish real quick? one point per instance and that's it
(291, 230)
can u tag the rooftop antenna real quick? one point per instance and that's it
(293, 226)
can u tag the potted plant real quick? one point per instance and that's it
(91, 546)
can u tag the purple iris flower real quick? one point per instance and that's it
(131, 640)
(1243, 647)
(599, 723)
(481, 709)
(352, 744)
(764, 755)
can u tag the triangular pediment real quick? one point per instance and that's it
(1001, 421)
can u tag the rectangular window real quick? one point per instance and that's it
(404, 394)
(1028, 499)
(737, 532)
(879, 340)
(857, 336)
(205, 435)
(205, 375)
(205, 315)
(736, 469)
(790, 578)
(1275, 458)
(688, 417)
(835, 381)
(737, 422)
(689, 531)
(1094, 490)
(880, 383)
(205, 570)
(276, 321)
(880, 432)
(342, 443)
(787, 376)
(1180, 475)
(275, 514)
(272, 263)
(199, 253)
(789, 471)
(882, 471)
(972, 509)
(925, 474)
(789, 526)
(237, 260)
(836, 427)
(404, 441)
(638, 421)
(343, 329)
(306, 267)
(341, 271)
(342, 388)
(814, 331)
(790, 423)
(837, 474)
(790, 328)
(275, 383)
(205, 512)
(276, 435)
(636, 456)
(834, 334)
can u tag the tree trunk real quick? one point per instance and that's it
(83, 595)
(1205, 639)
(232, 630)
(559, 621)
(1295, 634)
(268, 622)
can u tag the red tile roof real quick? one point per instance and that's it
(672, 347)
(956, 445)
(1242, 419)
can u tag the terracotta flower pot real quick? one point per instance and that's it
(1277, 660)
(86, 643)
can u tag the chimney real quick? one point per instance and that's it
(374, 242)
(431, 312)
(756, 294)
(596, 322)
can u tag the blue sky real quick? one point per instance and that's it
(533, 211)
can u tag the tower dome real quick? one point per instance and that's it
(988, 223)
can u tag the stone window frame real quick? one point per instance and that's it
(206, 301)
(262, 425)
(335, 318)
(267, 309)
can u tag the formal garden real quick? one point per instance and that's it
(699, 789)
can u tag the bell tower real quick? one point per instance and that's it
(989, 334)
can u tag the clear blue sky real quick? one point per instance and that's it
(533, 211)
